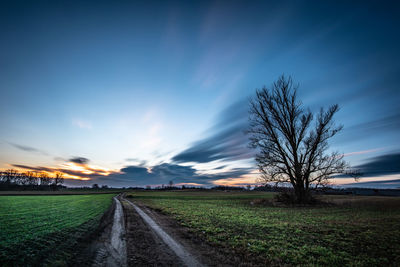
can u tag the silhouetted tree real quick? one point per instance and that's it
(14, 180)
(9, 176)
(32, 178)
(289, 148)
(45, 180)
(58, 180)
(171, 183)
(95, 186)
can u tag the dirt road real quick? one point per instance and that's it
(134, 235)
(180, 251)
(130, 237)
(148, 244)
(110, 248)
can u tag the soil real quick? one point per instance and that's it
(205, 253)
(145, 248)
(126, 239)
(107, 246)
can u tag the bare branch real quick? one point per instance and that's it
(290, 150)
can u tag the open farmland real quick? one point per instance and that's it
(360, 231)
(40, 229)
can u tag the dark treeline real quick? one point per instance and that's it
(228, 188)
(197, 188)
(15, 180)
(327, 190)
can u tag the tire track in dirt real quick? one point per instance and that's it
(111, 247)
(163, 247)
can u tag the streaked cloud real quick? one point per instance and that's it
(380, 172)
(165, 172)
(160, 81)
(139, 175)
(381, 165)
(378, 184)
(69, 174)
(388, 181)
(227, 140)
(387, 125)
(28, 148)
(74, 168)
(362, 152)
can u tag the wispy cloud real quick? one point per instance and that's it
(375, 171)
(71, 170)
(388, 124)
(163, 173)
(389, 181)
(381, 184)
(82, 124)
(138, 175)
(227, 140)
(362, 152)
(28, 148)
(382, 165)
(70, 174)
(153, 137)
(137, 161)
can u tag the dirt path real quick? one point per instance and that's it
(112, 252)
(108, 247)
(134, 235)
(206, 254)
(154, 234)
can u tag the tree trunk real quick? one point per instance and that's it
(302, 194)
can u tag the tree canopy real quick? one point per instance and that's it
(290, 147)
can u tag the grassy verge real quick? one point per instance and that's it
(361, 235)
(68, 191)
(46, 229)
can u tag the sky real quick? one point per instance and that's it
(130, 93)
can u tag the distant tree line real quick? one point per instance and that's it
(228, 188)
(14, 180)
(188, 187)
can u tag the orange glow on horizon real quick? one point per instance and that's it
(86, 169)
(189, 184)
(239, 181)
(80, 171)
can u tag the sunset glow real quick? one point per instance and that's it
(118, 95)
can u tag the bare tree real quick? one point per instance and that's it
(23, 179)
(12, 179)
(58, 180)
(9, 176)
(290, 149)
(32, 178)
(45, 180)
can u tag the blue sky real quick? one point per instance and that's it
(149, 92)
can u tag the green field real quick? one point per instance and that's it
(360, 231)
(40, 229)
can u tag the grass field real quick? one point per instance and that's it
(44, 229)
(363, 234)
(67, 191)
